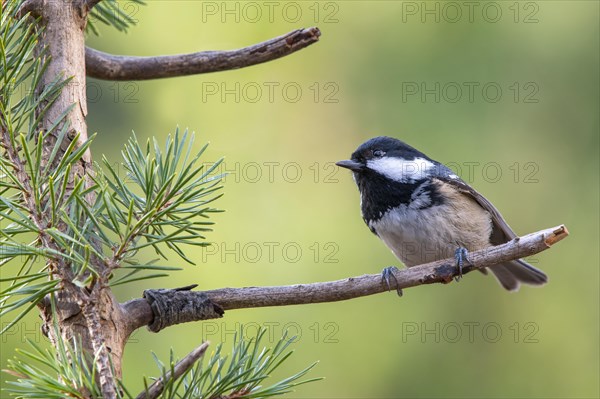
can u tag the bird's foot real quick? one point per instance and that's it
(460, 255)
(388, 273)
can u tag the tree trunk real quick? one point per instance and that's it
(92, 314)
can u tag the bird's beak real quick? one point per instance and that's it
(352, 165)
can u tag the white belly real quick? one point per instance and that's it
(418, 236)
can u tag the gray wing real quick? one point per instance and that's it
(509, 274)
(501, 231)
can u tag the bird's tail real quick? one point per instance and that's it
(511, 274)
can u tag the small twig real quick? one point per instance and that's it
(140, 312)
(11, 153)
(180, 368)
(112, 67)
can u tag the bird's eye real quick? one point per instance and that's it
(378, 153)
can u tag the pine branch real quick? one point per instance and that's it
(173, 209)
(243, 373)
(115, 13)
(443, 271)
(72, 376)
(47, 161)
(182, 367)
(112, 67)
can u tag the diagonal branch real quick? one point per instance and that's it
(113, 67)
(154, 390)
(140, 312)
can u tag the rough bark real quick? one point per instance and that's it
(92, 313)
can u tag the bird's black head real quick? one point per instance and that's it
(389, 173)
(389, 157)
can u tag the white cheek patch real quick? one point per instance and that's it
(402, 170)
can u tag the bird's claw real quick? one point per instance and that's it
(388, 273)
(460, 255)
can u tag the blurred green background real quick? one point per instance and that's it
(507, 93)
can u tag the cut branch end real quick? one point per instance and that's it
(560, 233)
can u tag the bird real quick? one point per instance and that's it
(424, 212)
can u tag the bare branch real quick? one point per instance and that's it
(112, 67)
(441, 271)
(180, 368)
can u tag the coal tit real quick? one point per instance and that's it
(424, 212)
